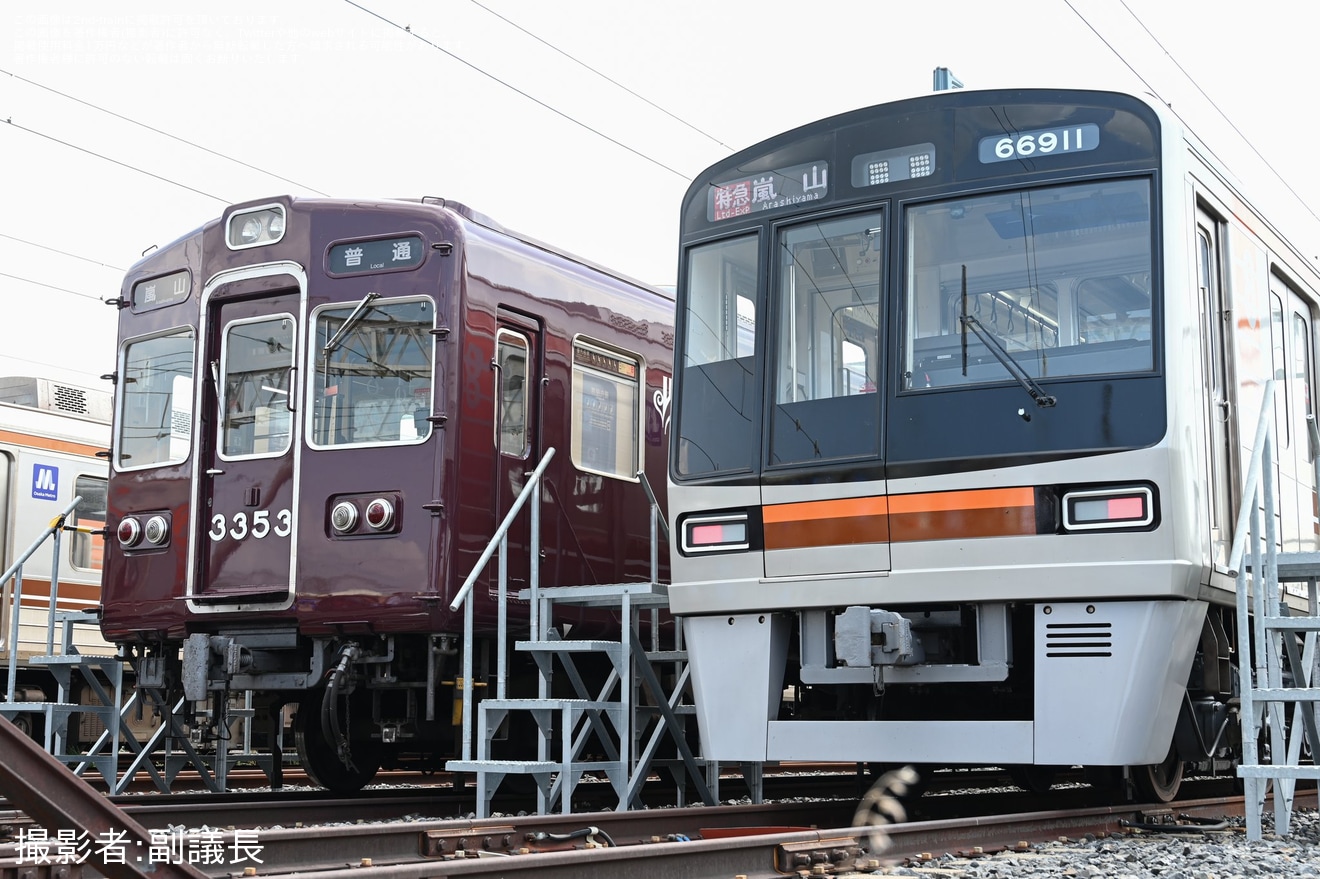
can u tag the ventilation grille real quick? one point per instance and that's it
(69, 399)
(1079, 639)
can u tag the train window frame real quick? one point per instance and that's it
(279, 424)
(830, 290)
(603, 380)
(316, 387)
(84, 545)
(131, 391)
(930, 341)
(507, 396)
(718, 273)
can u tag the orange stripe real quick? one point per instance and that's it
(945, 515)
(52, 445)
(845, 507)
(975, 499)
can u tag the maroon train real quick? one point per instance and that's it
(324, 409)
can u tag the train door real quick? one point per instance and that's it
(1298, 368)
(247, 465)
(517, 432)
(1219, 386)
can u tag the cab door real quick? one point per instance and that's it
(1213, 298)
(516, 434)
(247, 467)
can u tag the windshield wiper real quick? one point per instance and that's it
(353, 318)
(1029, 384)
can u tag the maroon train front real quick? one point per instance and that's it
(323, 411)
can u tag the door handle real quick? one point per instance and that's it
(215, 472)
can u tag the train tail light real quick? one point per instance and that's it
(1109, 509)
(721, 533)
(379, 514)
(129, 532)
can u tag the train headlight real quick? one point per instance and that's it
(129, 532)
(379, 514)
(1131, 506)
(344, 517)
(255, 227)
(156, 532)
(719, 533)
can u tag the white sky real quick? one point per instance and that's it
(336, 99)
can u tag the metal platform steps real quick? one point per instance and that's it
(1277, 628)
(111, 707)
(612, 725)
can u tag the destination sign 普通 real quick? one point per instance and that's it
(158, 292)
(380, 255)
(780, 188)
(1038, 143)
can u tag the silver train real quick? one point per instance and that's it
(50, 434)
(964, 386)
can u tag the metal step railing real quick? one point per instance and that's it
(609, 711)
(70, 669)
(1273, 672)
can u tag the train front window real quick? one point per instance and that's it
(716, 428)
(373, 367)
(156, 401)
(1059, 276)
(257, 368)
(827, 348)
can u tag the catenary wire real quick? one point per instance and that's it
(604, 76)
(578, 122)
(159, 131)
(61, 252)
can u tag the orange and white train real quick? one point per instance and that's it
(50, 437)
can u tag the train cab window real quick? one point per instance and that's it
(156, 401)
(372, 373)
(716, 430)
(1059, 278)
(511, 403)
(86, 550)
(607, 395)
(257, 364)
(827, 341)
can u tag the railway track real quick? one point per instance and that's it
(819, 837)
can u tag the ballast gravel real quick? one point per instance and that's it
(1210, 854)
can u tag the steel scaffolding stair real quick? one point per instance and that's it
(1277, 658)
(613, 727)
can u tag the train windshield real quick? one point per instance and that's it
(373, 373)
(155, 416)
(1059, 277)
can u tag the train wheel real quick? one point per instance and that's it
(319, 757)
(1159, 781)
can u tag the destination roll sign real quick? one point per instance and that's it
(381, 255)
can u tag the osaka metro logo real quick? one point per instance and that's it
(45, 482)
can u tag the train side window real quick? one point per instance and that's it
(511, 403)
(373, 373)
(606, 411)
(156, 403)
(86, 550)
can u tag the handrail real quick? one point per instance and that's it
(15, 572)
(655, 504)
(499, 541)
(502, 530)
(1240, 528)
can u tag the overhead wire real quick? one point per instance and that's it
(159, 131)
(61, 252)
(606, 77)
(1154, 91)
(560, 113)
